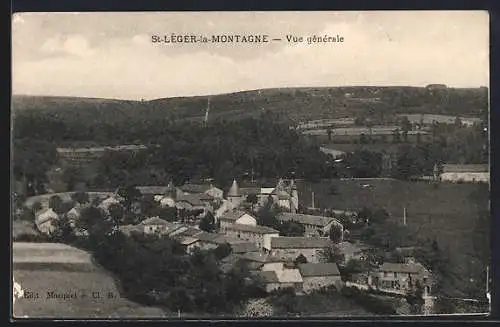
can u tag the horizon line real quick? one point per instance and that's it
(241, 91)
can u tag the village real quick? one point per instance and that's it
(202, 216)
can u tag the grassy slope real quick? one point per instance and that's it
(69, 279)
(296, 103)
(444, 213)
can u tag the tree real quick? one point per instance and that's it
(379, 216)
(300, 260)
(91, 219)
(130, 194)
(56, 204)
(396, 136)
(207, 223)
(148, 205)
(116, 213)
(353, 267)
(63, 230)
(332, 253)
(405, 128)
(37, 206)
(335, 233)
(80, 197)
(414, 297)
(291, 228)
(329, 132)
(253, 200)
(222, 251)
(363, 139)
(168, 213)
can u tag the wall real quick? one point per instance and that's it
(215, 193)
(401, 280)
(466, 177)
(312, 255)
(314, 283)
(246, 219)
(267, 240)
(272, 266)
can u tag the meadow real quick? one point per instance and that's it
(446, 212)
(68, 278)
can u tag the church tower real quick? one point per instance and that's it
(234, 196)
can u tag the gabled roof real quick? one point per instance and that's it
(299, 242)
(207, 237)
(154, 190)
(223, 239)
(402, 267)
(450, 168)
(244, 247)
(249, 190)
(190, 232)
(196, 188)
(233, 215)
(260, 257)
(196, 200)
(320, 221)
(187, 240)
(266, 276)
(319, 269)
(154, 221)
(266, 190)
(252, 229)
(289, 276)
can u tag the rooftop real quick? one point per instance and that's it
(259, 257)
(252, 229)
(299, 242)
(266, 276)
(289, 276)
(452, 168)
(195, 200)
(245, 247)
(320, 221)
(233, 215)
(154, 221)
(195, 188)
(402, 267)
(319, 269)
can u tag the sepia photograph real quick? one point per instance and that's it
(248, 165)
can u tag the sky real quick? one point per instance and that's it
(111, 55)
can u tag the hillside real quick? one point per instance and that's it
(298, 104)
(50, 267)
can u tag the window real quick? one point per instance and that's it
(385, 273)
(395, 275)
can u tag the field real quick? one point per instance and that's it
(68, 279)
(445, 213)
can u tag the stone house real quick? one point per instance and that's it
(401, 277)
(260, 235)
(319, 275)
(275, 280)
(289, 248)
(237, 217)
(465, 173)
(313, 225)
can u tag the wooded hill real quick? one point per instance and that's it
(295, 104)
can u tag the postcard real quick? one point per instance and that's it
(236, 165)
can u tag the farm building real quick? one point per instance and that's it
(289, 248)
(260, 235)
(237, 217)
(465, 173)
(314, 225)
(400, 277)
(319, 275)
(274, 280)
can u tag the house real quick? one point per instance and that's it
(237, 217)
(401, 277)
(108, 202)
(189, 243)
(274, 280)
(284, 195)
(262, 261)
(208, 189)
(44, 220)
(465, 173)
(260, 235)
(194, 202)
(289, 248)
(313, 225)
(244, 247)
(158, 225)
(318, 275)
